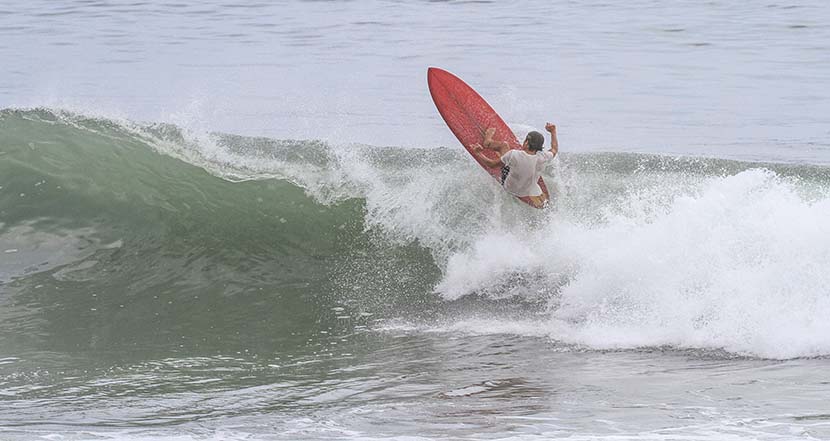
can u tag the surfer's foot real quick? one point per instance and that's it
(488, 136)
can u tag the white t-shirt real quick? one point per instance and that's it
(524, 171)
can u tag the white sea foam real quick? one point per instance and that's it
(738, 264)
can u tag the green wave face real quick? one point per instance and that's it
(110, 245)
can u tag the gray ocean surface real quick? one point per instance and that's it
(247, 221)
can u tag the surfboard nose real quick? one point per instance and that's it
(432, 74)
(436, 73)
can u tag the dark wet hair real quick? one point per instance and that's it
(535, 141)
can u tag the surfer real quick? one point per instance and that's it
(520, 169)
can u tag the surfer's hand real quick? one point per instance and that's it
(550, 127)
(477, 147)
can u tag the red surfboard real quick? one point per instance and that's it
(468, 116)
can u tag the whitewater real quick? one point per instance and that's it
(227, 221)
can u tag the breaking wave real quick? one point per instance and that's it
(638, 250)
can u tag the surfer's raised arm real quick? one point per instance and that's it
(554, 143)
(492, 163)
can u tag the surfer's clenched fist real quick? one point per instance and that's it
(550, 127)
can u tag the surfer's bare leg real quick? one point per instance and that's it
(499, 146)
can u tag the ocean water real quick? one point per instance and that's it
(247, 221)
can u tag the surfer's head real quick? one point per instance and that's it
(534, 141)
